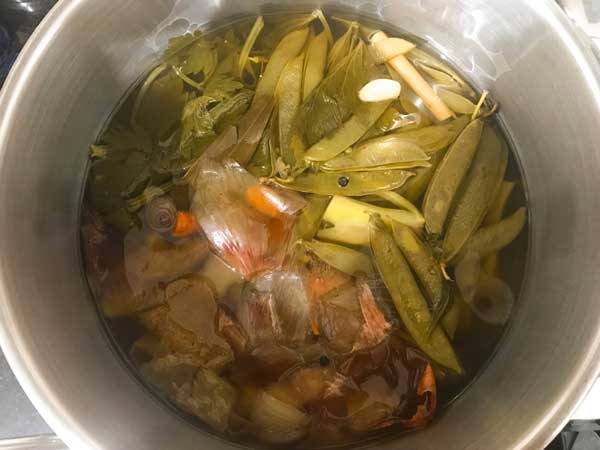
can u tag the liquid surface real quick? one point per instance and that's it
(303, 231)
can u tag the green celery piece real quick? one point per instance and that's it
(347, 134)
(161, 107)
(408, 299)
(249, 44)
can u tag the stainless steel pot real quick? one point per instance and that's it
(86, 55)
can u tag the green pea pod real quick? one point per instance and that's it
(456, 102)
(348, 134)
(289, 47)
(309, 220)
(452, 318)
(351, 184)
(477, 194)
(343, 46)
(314, 64)
(377, 153)
(342, 258)
(408, 299)
(437, 137)
(499, 204)
(423, 263)
(392, 119)
(438, 76)
(423, 59)
(488, 240)
(414, 188)
(449, 176)
(289, 98)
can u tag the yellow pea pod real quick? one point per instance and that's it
(478, 193)
(341, 258)
(383, 152)
(289, 98)
(289, 47)
(449, 176)
(423, 263)
(351, 184)
(407, 297)
(488, 240)
(348, 134)
(414, 188)
(314, 64)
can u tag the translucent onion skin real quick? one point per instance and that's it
(161, 214)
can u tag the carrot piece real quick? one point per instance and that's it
(185, 224)
(425, 411)
(265, 200)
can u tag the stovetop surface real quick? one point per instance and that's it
(18, 417)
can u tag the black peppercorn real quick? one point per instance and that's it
(343, 181)
(324, 361)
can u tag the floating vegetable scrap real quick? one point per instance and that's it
(296, 231)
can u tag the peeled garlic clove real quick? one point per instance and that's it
(380, 90)
(389, 48)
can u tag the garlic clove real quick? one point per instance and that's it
(380, 90)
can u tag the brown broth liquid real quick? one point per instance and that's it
(132, 271)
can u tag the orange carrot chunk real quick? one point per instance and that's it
(185, 224)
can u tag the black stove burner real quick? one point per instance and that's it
(578, 435)
(18, 19)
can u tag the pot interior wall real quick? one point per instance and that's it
(86, 56)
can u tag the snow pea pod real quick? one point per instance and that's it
(289, 98)
(422, 59)
(490, 262)
(456, 102)
(488, 240)
(314, 64)
(343, 46)
(414, 188)
(289, 47)
(448, 177)
(379, 153)
(349, 133)
(423, 263)
(407, 297)
(309, 220)
(478, 193)
(351, 184)
(341, 258)
(392, 119)
(434, 138)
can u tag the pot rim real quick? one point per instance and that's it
(13, 343)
